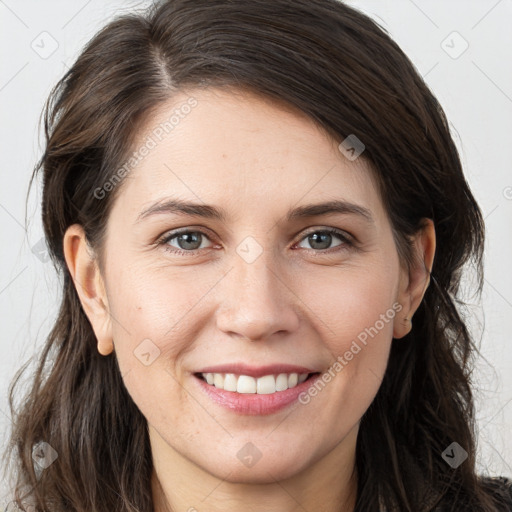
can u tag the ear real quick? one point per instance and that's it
(415, 281)
(89, 285)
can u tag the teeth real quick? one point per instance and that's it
(265, 385)
(302, 377)
(282, 382)
(218, 380)
(246, 384)
(230, 382)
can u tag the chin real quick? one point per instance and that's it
(266, 470)
(261, 473)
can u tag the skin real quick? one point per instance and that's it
(296, 304)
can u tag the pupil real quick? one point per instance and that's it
(315, 237)
(189, 238)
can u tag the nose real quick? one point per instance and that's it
(257, 300)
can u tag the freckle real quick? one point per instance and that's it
(224, 155)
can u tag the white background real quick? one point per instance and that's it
(475, 90)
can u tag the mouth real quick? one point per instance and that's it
(246, 384)
(255, 396)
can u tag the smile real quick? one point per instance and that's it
(245, 384)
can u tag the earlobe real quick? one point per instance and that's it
(89, 285)
(414, 282)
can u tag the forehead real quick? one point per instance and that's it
(236, 148)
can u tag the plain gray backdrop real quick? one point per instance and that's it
(462, 49)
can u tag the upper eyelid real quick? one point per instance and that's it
(168, 235)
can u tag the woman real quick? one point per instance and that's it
(261, 220)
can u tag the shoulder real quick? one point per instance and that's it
(501, 485)
(497, 481)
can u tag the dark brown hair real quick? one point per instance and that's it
(341, 69)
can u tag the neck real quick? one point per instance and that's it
(178, 484)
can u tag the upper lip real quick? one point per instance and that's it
(256, 371)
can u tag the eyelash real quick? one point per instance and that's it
(348, 242)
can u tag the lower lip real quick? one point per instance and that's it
(252, 403)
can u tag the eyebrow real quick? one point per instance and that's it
(180, 207)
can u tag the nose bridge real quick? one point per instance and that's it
(256, 301)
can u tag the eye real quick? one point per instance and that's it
(321, 239)
(187, 241)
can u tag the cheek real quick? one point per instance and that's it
(152, 330)
(158, 314)
(156, 303)
(349, 302)
(355, 312)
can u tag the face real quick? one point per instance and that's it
(265, 282)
